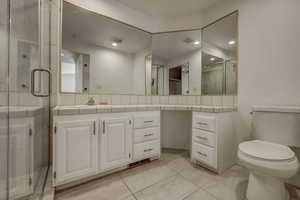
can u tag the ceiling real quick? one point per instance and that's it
(168, 8)
(206, 59)
(171, 45)
(221, 32)
(84, 26)
(80, 25)
(168, 46)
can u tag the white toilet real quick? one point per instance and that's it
(268, 157)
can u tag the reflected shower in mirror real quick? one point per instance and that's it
(74, 72)
(101, 55)
(219, 57)
(176, 63)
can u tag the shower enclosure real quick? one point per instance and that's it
(219, 78)
(24, 98)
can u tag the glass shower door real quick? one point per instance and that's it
(4, 30)
(29, 83)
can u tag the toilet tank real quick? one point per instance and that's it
(278, 124)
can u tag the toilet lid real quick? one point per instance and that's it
(266, 150)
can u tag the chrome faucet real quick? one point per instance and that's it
(91, 101)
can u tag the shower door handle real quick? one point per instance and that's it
(41, 70)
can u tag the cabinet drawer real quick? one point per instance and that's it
(204, 154)
(146, 134)
(146, 149)
(204, 122)
(146, 121)
(204, 137)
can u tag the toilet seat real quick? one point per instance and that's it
(269, 165)
(266, 150)
(267, 158)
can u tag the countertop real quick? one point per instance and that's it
(86, 109)
(20, 111)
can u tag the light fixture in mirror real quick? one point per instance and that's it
(219, 57)
(117, 53)
(176, 63)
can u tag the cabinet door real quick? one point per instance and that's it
(75, 149)
(21, 157)
(116, 142)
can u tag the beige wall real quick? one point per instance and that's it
(268, 56)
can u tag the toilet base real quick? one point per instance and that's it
(266, 188)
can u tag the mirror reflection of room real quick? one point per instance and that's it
(157, 77)
(101, 55)
(178, 55)
(219, 57)
(74, 72)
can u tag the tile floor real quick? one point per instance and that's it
(173, 177)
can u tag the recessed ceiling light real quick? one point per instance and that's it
(232, 42)
(196, 42)
(212, 59)
(114, 44)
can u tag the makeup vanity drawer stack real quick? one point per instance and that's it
(213, 140)
(146, 135)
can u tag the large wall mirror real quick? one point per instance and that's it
(219, 57)
(104, 56)
(176, 63)
(101, 55)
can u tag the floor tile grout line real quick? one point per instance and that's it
(204, 187)
(128, 188)
(197, 190)
(175, 174)
(155, 183)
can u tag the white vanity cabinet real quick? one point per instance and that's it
(75, 147)
(93, 144)
(213, 140)
(26, 149)
(146, 135)
(21, 154)
(116, 142)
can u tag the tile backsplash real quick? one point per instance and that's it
(81, 99)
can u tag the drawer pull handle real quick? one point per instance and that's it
(148, 121)
(94, 127)
(150, 134)
(202, 154)
(147, 150)
(202, 123)
(202, 138)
